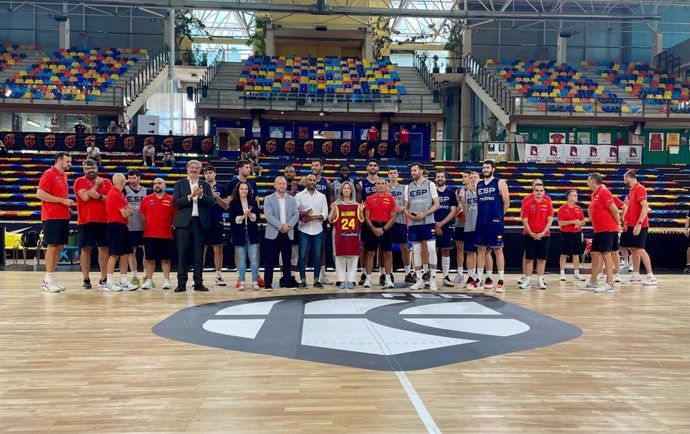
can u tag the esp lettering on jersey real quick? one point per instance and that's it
(368, 188)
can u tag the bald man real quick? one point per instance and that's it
(118, 212)
(282, 216)
(157, 211)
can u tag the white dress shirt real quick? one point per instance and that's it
(317, 203)
(281, 208)
(195, 200)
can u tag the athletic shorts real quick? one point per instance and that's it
(56, 232)
(459, 233)
(571, 243)
(215, 235)
(632, 241)
(371, 144)
(422, 232)
(136, 238)
(93, 235)
(469, 246)
(157, 249)
(445, 241)
(399, 233)
(536, 249)
(118, 239)
(604, 242)
(372, 242)
(489, 235)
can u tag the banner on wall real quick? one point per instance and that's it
(68, 142)
(323, 148)
(552, 153)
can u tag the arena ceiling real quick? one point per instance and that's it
(235, 18)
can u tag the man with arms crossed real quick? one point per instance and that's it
(638, 225)
(444, 216)
(493, 201)
(379, 216)
(422, 202)
(55, 214)
(158, 212)
(605, 222)
(91, 191)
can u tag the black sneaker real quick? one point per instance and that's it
(303, 285)
(382, 280)
(410, 277)
(687, 269)
(86, 284)
(362, 278)
(317, 284)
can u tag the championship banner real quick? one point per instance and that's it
(70, 142)
(325, 148)
(580, 154)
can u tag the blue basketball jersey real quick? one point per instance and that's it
(446, 199)
(368, 188)
(489, 203)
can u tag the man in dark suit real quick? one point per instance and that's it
(193, 199)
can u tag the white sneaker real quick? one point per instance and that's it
(166, 284)
(605, 288)
(447, 282)
(630, 268)
(617, 278)
(51, 287)
(562, 277)
(324, 280)
(601, 276)
(367, 283)
(579, 277)
(148, 284)
(128, 286)
(541, 284)
(589, 286)
(255, 286)
(526, 284)
(635, 280)
(389, 283)
(419, 284)
(219, 281)
(650, 281)
(432, 285)
(111, 287)
(522, 280)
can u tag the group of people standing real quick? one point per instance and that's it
(362, 220)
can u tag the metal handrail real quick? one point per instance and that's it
(136, 84)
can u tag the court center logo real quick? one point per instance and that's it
(380, 331)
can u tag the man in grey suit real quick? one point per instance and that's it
(193, 199)
(281, 218)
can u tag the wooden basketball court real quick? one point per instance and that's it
(88, 361)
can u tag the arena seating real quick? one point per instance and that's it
(320, 76)
(668, 186)
(11, 55)
(75, 74)
(645, 81)
(562, 86)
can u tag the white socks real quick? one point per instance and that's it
(445, 265)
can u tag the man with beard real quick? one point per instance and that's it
(53, 193)
(367, 187)
(313, 210)
(292, 183)
(399, 193)
(638, 225)
(469, 208)
(493, 201)
(323, 186)
(444, 216)
(379, 216)
(422, 202)
(92, 218)
(537, 216)
(244, 169)
(134, 193)
(158, 212)
(344, 171)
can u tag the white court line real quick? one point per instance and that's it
(412, 394)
